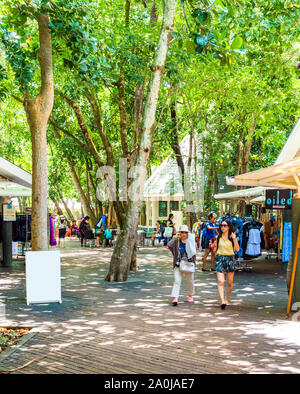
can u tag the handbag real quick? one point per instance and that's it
(168, 232)
(186, 266)
(212, 245)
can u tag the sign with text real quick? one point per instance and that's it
(9, 213)
(279, 199)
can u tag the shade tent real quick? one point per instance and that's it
(285, 175)
(270, 177)
(245, 195)
(291, 149)
(14, 182)
(15, 174)
(12, 189)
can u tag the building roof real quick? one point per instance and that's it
(14, 182)
(165, 182)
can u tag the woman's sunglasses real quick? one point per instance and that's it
(224, 225)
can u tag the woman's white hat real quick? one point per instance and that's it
(184, 228)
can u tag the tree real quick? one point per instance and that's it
(121, 259)
(38, 110)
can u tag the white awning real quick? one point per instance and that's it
(283, 176)
(11, 189)
(291, 149)
(15, 173)
(14, 182)
(261, 180)
(245, 194)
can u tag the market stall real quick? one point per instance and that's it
(284, 178)
(14, 182)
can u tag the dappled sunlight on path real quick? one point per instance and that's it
(131, 327)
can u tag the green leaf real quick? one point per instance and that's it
(237, 43)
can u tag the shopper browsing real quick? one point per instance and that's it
(62, 229)
(226, 244)
(208, 240)
(183, 248)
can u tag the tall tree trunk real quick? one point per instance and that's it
(247, 149)
(175, 141)
(69, 213)
(190, 214)
(123, 251)
(133, 264)
(38, 111)
(83, 199)
(153, 16)
(58, 208)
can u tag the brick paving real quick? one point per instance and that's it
(132, 328)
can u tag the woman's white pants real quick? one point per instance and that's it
(178, 275)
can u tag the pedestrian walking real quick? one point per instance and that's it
(208, 240)
(183, 249)
(83, 227)
(62, 230)
(226, 244)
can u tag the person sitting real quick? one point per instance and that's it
(100, 229)
(108, 234)
(157, 234)
(74, 229)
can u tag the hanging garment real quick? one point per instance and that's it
(253, 240)
(287, 242)
(21, 231)
(52, 232)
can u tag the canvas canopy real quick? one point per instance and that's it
(14, 182)
(281, 175)
(285, 175)
(246, 194)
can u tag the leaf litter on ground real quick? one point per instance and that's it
(10, 336)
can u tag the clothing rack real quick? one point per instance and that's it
(26, 243)
(242, 265)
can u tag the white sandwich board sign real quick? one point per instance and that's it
(43, 277)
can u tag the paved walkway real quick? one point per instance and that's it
(132, 328)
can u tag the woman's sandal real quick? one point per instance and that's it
(223, 306)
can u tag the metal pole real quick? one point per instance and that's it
(6, 231)
(293, 273)
(295, 224)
